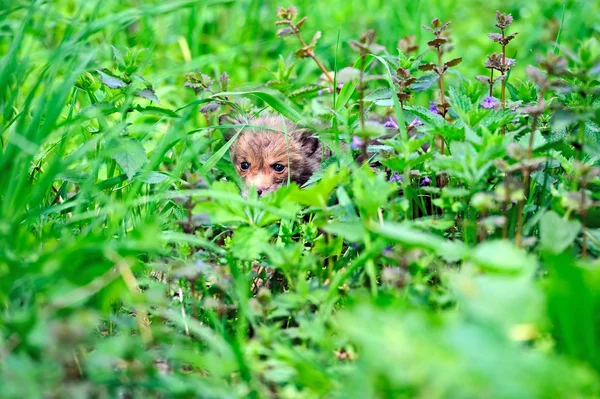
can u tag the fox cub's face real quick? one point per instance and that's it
(264, 158)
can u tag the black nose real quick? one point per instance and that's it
(259, 191)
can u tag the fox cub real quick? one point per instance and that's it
(264, 157)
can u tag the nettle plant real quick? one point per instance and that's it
(469, 157)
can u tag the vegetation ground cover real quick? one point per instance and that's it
(462, 263)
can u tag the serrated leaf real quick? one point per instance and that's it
(118, 56)
(538, 140)
(423, 83)
(379, 94)
(111, 81)
(437, 42)
(73, 176)
(156, 111)
(149, 94)
(453, 62)
(427, 67)
(129, 155)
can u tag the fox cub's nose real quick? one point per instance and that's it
(259, 191)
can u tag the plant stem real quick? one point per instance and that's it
(583, 220)
(360, 92)
(505, 207)
(503, 79)
(526, 177)
(312, 55)
(442, 97)
(491, 81)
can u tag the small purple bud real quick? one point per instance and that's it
(391, 123)
(356, 143)
(433, 108)
(340, 85)
(426, 181)
(320, 93)
(489, 102)
(416, 122)
(396, 178)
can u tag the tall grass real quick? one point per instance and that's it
(131, 266)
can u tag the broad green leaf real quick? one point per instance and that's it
(151, 177)
(504, 257)
(111, 81)
(351, 231)
(248, 242)
(412, 238)
(214, 158)
(129, 154)
(556, 233)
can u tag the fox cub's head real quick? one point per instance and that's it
(264, 158)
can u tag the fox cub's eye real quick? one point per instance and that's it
(244, 166)
(278, 167)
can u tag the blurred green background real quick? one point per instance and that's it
(239, 36)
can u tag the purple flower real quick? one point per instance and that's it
(320, 93)
(433, 108)
(396, 177)
(416, 122)
(356, 143)
(391, 123)
(426, 181)
(340, 85)
(489, 102)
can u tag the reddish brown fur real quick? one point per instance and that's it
(265, 147)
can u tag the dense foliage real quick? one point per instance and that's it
(448, 249)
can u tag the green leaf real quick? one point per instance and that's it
(214, 158)
(318, 194)
(351, 231)
(503, 257)
(411, 238)
(149, 94)
(556, 233)
(247, 242)
(151, 177)
(349, 86)
(111, 81)
(128, 153)
(118, 56)
(423, 83)
(278, 105)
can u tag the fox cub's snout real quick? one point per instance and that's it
(264, 157)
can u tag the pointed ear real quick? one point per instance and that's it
(308, 142)
(228, 124)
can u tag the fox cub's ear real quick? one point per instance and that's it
(228, 125)
(309, 143)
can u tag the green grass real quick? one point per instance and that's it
(130, 265)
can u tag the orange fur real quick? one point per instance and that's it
(265, 149)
